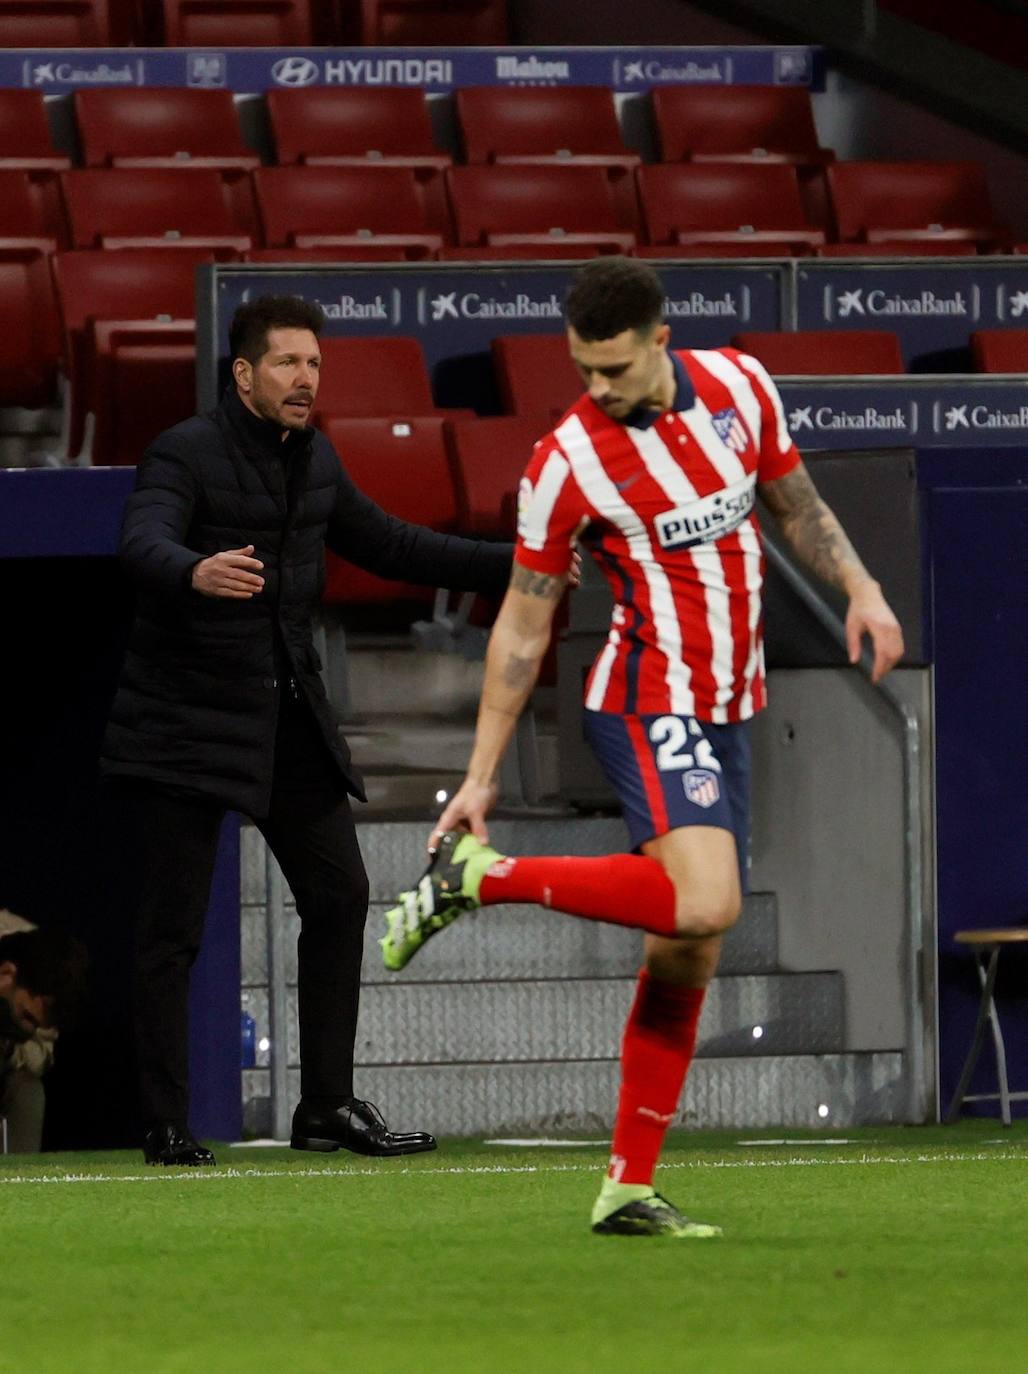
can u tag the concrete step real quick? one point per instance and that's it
(388, 676)
(580, 1097)
(520, 942)
(574, 1018)
(394, 851)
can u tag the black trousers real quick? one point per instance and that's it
(310, 831)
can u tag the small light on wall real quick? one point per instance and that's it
(758, 1032)
(442, 796)
(822, 1110)
(264, 1044)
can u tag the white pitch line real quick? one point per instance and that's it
(215, 1175)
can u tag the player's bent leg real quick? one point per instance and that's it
(703, 866)
(464, 874)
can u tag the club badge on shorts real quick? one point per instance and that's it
(701, 786)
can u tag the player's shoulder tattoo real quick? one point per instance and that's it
(533, 583)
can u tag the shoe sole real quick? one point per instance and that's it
(181, 1163)
(694, 1231)
(321, 1145)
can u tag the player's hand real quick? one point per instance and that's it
(869, 614)
(575, 571)
(466, 810)
(235, 573)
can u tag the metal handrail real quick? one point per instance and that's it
(829, 621)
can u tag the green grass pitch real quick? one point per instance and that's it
(901, 1253)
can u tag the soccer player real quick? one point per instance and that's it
(655, 470)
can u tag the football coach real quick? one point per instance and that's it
(220, 706)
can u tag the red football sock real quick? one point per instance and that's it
(656, 1051)
(624, 889)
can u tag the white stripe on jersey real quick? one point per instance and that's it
(602, 670)
(534, 520)
(604, 497)
(749, 538)
(706, 558)
(757, 370)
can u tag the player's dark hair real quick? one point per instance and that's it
(610, 295)
(248, 332)
(49, 963)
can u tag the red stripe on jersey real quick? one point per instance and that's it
(649, 774)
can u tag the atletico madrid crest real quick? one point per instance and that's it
(730, 429)
(701, 786)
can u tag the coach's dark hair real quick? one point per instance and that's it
(49, 963)
(248, 332)
(610, 295)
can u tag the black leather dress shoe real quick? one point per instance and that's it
(168, 1144)
(356, 1126)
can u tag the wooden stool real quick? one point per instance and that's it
(987, 945)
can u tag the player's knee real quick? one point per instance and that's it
(707, 914)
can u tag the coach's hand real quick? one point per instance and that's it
(466, 811)
(234, 573)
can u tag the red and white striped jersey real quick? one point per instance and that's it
(665, 504)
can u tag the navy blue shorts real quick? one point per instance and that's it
(669, 771)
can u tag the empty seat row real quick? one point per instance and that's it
(250, 23)
(665, 206)
(493, 124)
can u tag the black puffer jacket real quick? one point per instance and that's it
(198, 698)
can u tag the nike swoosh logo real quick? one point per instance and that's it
(623, 486)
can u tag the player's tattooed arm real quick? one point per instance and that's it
(813, 530)
(820, 541)
(532, 583)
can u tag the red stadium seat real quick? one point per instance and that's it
(737, 124)
(731, 249)
(153, 207)
(144, 381)
(345, 126)
(550, 126)
(536, 376)
(825, 352)
(364, 252)
(30, 341)
(25, 142)
(903, 202)
(433, 23)
(489, 457)
(517, 252)
(130, 284)
(921, 248)
(58, 24)
(237, 23)
(542, 124)
(402, 464)
(688, 203)
(1000, 350)
(27, 210)
(161, 126)
(373, 376)
(306, 207)
(505, 206)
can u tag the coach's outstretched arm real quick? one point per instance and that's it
(517, 645)
(814, 532)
